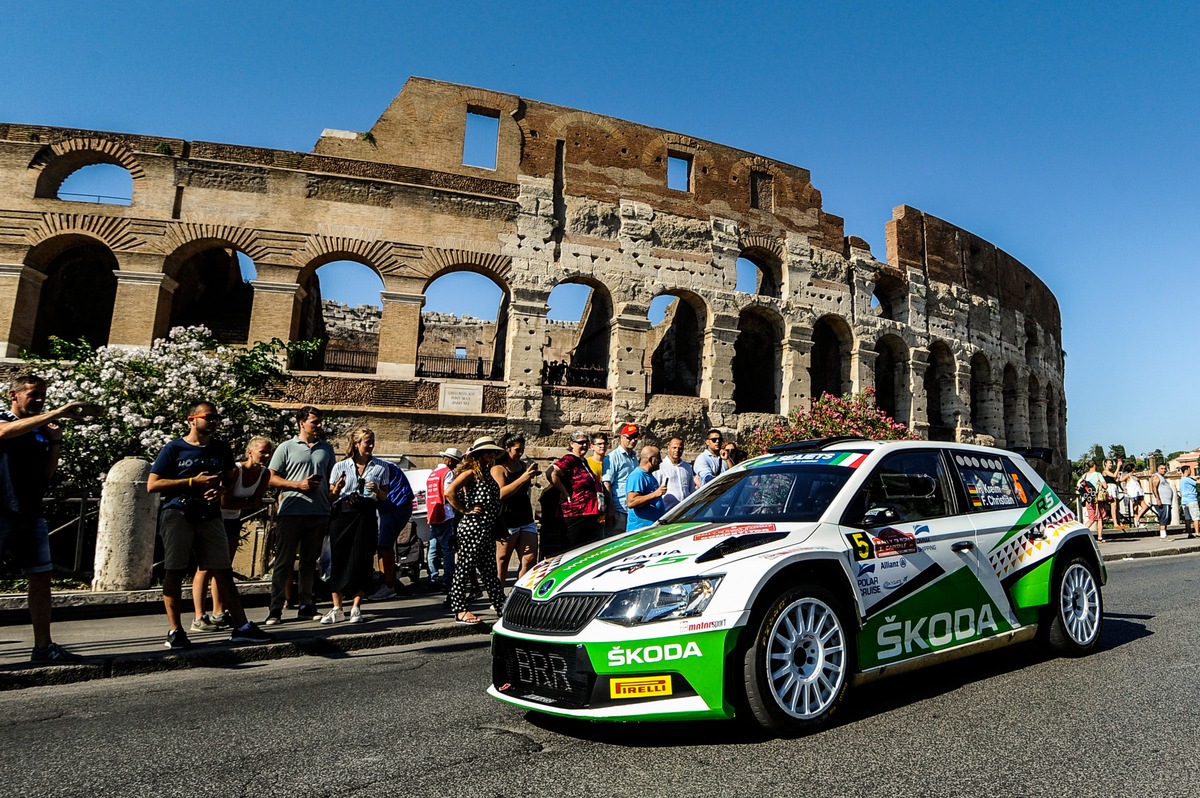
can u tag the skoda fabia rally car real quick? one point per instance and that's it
(793, 576)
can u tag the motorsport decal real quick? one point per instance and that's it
(619, 656)
(888, 542)
(636, 562)
(1039, 510)
(735, 529)
(1040, 540)
(688, 625)
(565, 569)
(846, 459)
(640, 687)
(936, 631)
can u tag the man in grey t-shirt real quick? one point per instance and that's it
(301, 468)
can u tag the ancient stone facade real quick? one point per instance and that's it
(959, 339)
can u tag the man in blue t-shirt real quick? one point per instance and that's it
(618, 465)
(1190, 500)
(643, 494)
(190, 473)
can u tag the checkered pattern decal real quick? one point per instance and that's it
(1027, 547)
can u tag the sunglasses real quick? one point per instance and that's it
(715, 440)
(206, 416)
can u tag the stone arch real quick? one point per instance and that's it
(1012, 410)
(740, 173)
(483, 343)
(766, 255)
(1033, 343)
(829, 369)
(675, 346)
(654, 154)
(757, 364)
(563, 123)
(889, 298)
(58, 161)
(379, 256)
(437, 262)
(892, 394)
(78, 294)
(983, 408)
(345, 344)
(210, 290)
(587, 354)
(940, 393)
(112, 231)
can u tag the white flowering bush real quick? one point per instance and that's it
(145, 392)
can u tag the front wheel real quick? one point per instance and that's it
(796, 671)
(1076, 608)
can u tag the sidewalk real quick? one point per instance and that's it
(123, 634)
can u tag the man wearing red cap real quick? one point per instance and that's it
(618, 465)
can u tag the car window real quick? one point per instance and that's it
(905, 487)
(991, 482)
(767, 493)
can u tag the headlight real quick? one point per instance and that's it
(663, 602)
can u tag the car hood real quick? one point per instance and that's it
(657, 554)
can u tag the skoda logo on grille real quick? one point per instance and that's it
(545, 587)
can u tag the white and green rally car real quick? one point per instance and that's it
(820, 565)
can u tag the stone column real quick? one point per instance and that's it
(1020, 420)
(716, 363)
(963, 429)
(20, 290)
(628, 380)
(128, 521)
(862, 366)
(398, 332)
(797, 352)
(526, 340)
(1037, 421)
(142, 310)
(276, 310)
(918, 362)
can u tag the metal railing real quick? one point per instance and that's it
(355, 361)
(455, 367)
(574, 375)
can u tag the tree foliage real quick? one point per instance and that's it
(144, 393)
(831, 416)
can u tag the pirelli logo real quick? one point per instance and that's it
(641, 687)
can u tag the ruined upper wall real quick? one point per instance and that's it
(602, 158)
(948, 254)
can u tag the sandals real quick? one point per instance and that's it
(467, 618)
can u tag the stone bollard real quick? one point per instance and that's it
(128, 522)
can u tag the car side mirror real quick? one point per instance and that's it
(880, 516)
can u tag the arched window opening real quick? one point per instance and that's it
(674, 347)
(464, 310)
(1012, 410)
(829, 369)
(891, 378)
(214, 291)
(757, 364)
(77, 298)
(342, 311)
(939, 393)
(1033, 347)
(1053, 438)
(578, 331)
(759, 274)
(1037, 414)
(889, 300)
(983, 415)
(102, 183)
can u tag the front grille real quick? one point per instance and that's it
(553, 673)
(561, 615)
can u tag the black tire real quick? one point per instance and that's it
(812, 663)
(1075, 616)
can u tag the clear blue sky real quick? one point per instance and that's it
(1065, 133)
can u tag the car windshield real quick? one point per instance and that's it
(788, 492)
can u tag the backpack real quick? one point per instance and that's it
(1087, 492)
(400, 494)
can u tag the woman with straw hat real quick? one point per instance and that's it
(475, 497)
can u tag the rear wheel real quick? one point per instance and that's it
(1076, 608)
(796, 669)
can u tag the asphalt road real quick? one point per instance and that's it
(415, 722)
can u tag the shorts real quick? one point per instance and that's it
(29, 541)
(1191, 511)
(233, 529)
(1096, 511)
(1164, 514)
(181, 537)
(391, 524)
(526, 529)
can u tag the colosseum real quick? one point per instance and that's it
(958, 339)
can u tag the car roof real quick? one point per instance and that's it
(854, 444)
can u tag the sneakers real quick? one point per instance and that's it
(1162, 533)
(382, 594)
(205, 623)
(308, 612)
(249, 634)
(54, 654)
(335, 615)
(223, 621)
(356, 615)
(273, 619)
(177, 640)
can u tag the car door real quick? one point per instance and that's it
(912, 554)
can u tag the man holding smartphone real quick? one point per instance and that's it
(301, 468)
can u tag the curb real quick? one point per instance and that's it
(1141, 555)
(225, 656)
